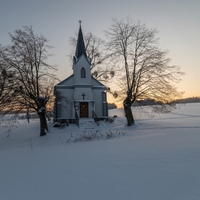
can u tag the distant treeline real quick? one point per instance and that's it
(111, 106)
(153, 102)
(189, 100)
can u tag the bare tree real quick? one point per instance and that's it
(146, 72)
(95, 49)
(27, 56)
(6, 81)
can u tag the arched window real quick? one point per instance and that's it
(83, 73)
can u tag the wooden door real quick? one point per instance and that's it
(83, 109)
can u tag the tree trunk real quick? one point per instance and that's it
(43, 124)
(27, 114)
(129, 115)
(128, 112)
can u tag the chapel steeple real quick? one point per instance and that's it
(80, 46)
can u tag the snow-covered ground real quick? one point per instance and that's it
(157, 159)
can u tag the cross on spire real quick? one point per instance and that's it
(80, 22)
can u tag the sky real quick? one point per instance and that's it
(177, 22)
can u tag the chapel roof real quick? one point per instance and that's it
(80, 46)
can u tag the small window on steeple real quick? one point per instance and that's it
(83, 73)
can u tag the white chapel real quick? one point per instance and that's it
(80, 95)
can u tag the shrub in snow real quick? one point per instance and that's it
(30, 142)
(95, 135)
(110, 119)
(57, 124)
(8, 122)
(60, 125)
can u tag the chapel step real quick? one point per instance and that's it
(87, 124)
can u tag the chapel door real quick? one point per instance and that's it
(83, 109)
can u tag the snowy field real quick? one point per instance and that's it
(157, 159)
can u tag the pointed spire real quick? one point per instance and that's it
(80, 47)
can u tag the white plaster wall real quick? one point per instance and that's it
(98, 102)
(66, 103)
(82, 62)
(66, 110)
(90, 109)
(78, 92)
